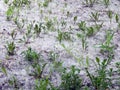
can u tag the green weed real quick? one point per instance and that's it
(89, 3)
(13, 34)
(106, 47)
(10, 47)
(100, 80)
(83, 40)
(118, 67)
(6, 1)
(38, 70)
(63, 36)
(14, 83)
(31, 55)
(75, 19)
(94, 16)
(38, 28)
(17, 22)
(117, 18)
(28, 34)
(106, 2)
(46, 3)
(110, 15)
(82, 25)
(49, 24)
(41, 84)
(20, 3)
(63, 23)
(10, 13)
(3, 69)
(71, 80)
(53, 56)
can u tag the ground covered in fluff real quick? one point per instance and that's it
(39, 39)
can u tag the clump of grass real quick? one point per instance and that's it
(20, 23)
(6, 1)
(10, 47)
(49, 24)
(31, 55)
(83, 40)
(75, 19)
(100, 80)
(38, 70)
(117, 18)
(71, 80)
(63, 36)
(91, 30)
(63, 23)
(13, 34)
(10, 12)
(106, 2)
(94, 16)
(28, 34)
(41, 84)
(20, 3)
(82, 25)
(14, 83)
(46, 3)
(110, 15)
(53, 56)
(107, 47)
(118, 67)
(3, 69)
(89, 3)
(38, 28)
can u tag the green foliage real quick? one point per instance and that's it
(106, 2)
(89, 31)
(53, 56)
(4, 70)
(38, 28)
(94, 16)
(83, 40)
(118, 67)
(6, 1)
(75, 19)
(56, 65)
(46, 3)
(89, 3)
(100, 80)
(13, 34)
(63, 23)
(14, 83)
(82, 25)
(71, 80)
(110, 15)
(107, 46)
(10, 47)
(31, 55)
(117, 18)
(16, 21)
(28, 34)
(38, 70)
(41, 84)
(63, 36)
(49, 24)
(20, 3)
(68, 14)
(10, 12)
